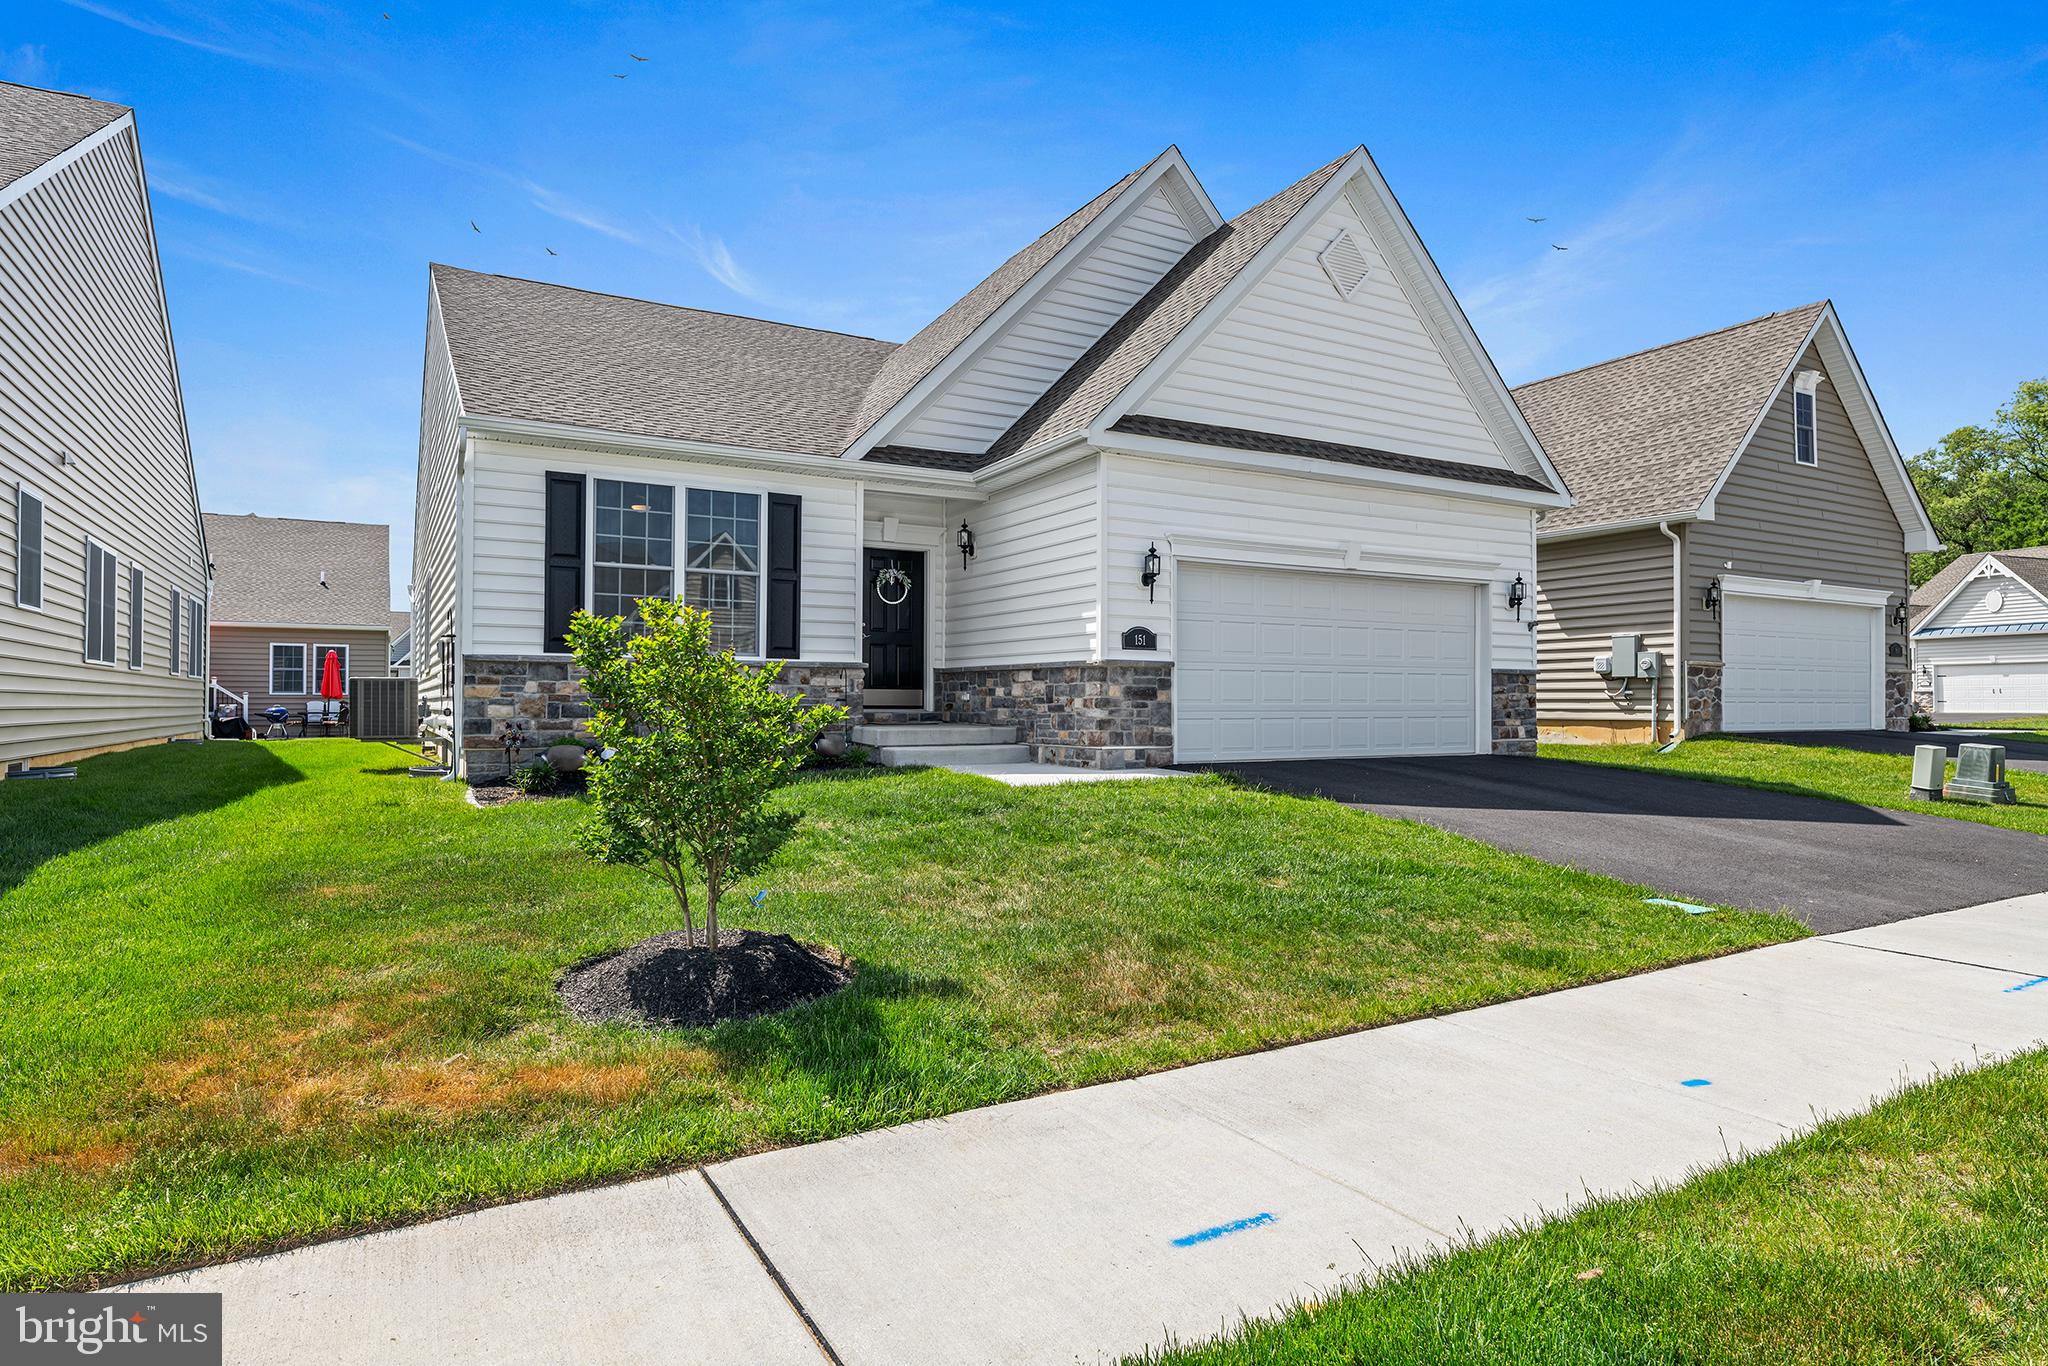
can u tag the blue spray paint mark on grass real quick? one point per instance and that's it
(1688, 907)
(1696, 1081)
(1210, 1235)
(2024, 985)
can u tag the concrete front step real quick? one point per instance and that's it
(950, 756)
(933, 733)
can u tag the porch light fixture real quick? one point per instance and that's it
(1900, 614)
(965, 540)
(1712, 600)
(1518, 593)
(1150, 574)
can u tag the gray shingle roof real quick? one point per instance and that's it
(549, 353)
(916, 358)
(2028, 563)
(1135, 340)
(267, 571)
(1647, 435)
(37, 124)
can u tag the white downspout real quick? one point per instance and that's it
(1677, 635)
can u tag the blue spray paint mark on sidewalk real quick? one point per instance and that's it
(1209, 1235)
(1696, 1081)
(2024, 985)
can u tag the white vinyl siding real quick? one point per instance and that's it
(28, 549)
(991, 391)
(437, 511)
(503, 578)
(1993, 600)
(90, 421)
(288, 670)
(1308, 522)
(1031, 593)
(1283, 664)
(136, 599)
(1293, 357)
(101, 603)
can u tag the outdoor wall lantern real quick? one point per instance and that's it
(965, 540)
(1150, 575)
(1712, 600)
(1900, 614)
(1518, 593)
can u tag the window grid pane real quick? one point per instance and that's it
(724, 558)
(287, 669)
(28, 550)
(633, 556)
(134, 618)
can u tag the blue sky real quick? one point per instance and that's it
(859, 167)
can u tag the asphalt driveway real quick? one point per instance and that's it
(2028, 756)
(1834, 865)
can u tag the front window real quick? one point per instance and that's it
(724, 567)
(288, 670)
(634, 554)
(99, 604)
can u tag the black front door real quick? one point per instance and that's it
(895, 628)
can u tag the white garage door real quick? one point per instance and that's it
(1272, 664)
(1793, 665)
(1981, 689)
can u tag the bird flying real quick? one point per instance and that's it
(550, 251)
(1536, 220)
(473, 227)
(636, 56)
(617, 77)
(1555, 247)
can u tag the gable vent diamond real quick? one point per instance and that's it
(1344, 262)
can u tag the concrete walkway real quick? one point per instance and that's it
(1083, 1225)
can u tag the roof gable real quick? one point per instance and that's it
(37, 125)
(1649, 435)
(1955, 598)
(283, 571)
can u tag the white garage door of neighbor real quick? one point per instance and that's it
(1980, 689)
(1274, 664)
(1798, 665)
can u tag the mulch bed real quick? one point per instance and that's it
(672, 979)
(498, 794)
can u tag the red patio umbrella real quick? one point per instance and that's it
(330, 677)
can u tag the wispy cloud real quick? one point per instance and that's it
(715, 259)
(164, 31)
(243, 265)
(25, 64)
(176, 181)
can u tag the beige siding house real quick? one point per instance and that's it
(102, 556)
(1164, 486)
(1980, 637)
(1743, 512)
(287, 593)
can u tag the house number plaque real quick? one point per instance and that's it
(1141, 638)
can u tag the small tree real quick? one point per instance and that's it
(694, 742)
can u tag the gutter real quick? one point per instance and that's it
(1677, 637)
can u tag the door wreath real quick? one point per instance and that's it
(892, 577)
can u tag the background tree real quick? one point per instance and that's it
(1986, 488)
(694, 743)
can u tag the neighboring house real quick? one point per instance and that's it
(286, 592)
(401, 645)
(1980, 637)
(1742, 508)
(102, 556)
(1163, 486)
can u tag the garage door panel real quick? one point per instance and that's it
(2010, 689)
(1791, 664)
(1331, 665)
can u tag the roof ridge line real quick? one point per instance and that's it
(1666, 346)
(657, 303)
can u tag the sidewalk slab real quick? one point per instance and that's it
(2011, 934)
(650, 1271)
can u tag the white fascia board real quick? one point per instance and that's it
(1885, 461)
(1805, 590)
(952, 483)
(1985, 568)
(1064, 261)
(1578, 533)
(1328, 470)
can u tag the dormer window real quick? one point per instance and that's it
(1805, 434)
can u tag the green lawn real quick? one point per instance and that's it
(256, 993)
(1844, 774)
(2033, 727)
(1917, 1233)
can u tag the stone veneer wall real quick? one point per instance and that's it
(1081, 715)
(515, 706)
(1898, 699)
(1702, 698)
(1514, 711)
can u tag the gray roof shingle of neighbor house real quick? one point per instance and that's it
(36, 125)
(2029, 563)
(549, 353)
(1646, 436)
(267, 572)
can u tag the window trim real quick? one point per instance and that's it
(197, 654)
(24, 489)
(1806, 385)
(678, 494)
(138, 593)
(272, 690)
(681, 549)
(111, 601)
(318, 653)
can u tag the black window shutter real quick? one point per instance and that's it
(785, 576)
(564, 549)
